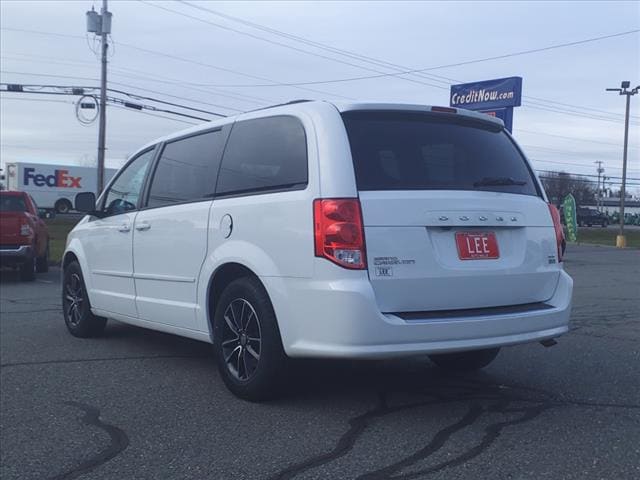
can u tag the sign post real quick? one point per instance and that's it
(492, 97)
(570, 220)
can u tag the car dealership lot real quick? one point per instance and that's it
(141, 404)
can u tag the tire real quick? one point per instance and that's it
(42, 263)
(465, 361)
(247, 342)
(63, 206)
(28, 270)
(76, 308)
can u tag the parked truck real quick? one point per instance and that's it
(53, 186)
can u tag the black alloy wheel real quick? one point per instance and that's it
(247, 343)
(241, 339)
(80, 321)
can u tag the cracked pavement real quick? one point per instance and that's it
(137, 404)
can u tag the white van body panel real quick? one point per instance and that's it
(324, 310)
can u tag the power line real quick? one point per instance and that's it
(129, 94)
(135, 106)
(557, 150)
(139, 74)
(142, 97)
(50, 100)
(273, 42)
(567, 137)
(178, 58)
(597, 110)
(419, 70)
(539, 106)
(554, 109)
(360, 57)
(155, 115)
(132, 86)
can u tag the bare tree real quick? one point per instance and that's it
(559, 184)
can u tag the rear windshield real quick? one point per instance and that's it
(418, 151)
(12, 203)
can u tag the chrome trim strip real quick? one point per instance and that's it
(111, 273)
(163, 278)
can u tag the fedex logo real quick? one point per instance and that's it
(60, 178)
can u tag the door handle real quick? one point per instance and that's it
(143, 226)
(124, 228)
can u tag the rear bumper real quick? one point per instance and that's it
(14, 254)
(340, 319)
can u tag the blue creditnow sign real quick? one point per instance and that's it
(487, 95)
(493, 97)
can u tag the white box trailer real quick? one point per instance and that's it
(53, 186)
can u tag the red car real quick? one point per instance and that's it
(24, 238)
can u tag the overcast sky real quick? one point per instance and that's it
(567, 120)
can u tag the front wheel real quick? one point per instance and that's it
(247, 342)
(465, 361)
(76, 307)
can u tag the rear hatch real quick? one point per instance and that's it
(453, 216)
(10, 223)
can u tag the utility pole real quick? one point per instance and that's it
(101, 25)
(600, 170)
(621, 241)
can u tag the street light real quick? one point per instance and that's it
(621, 241)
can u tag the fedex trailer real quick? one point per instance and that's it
(53, 186)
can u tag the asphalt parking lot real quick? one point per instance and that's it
(137, 404)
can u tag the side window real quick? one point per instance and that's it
(124, 193)
(264, 154)
(187, 169)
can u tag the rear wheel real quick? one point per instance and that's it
(465, 361)
(63, 206)
(42, 263)
(75, 305)
(247, 341)
(28, 269)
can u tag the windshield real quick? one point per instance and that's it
(418, 151)
(12, 203)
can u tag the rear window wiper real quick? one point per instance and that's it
(498, 181)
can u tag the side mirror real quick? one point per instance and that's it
(85, 202)
(46, 214)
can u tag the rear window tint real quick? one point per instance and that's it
(12, 203)
(264, 154)
(417, 151)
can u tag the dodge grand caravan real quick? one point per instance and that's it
(319, 230)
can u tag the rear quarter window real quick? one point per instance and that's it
(418, 151)
(264, 154)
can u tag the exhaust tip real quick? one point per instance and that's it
(549, 342)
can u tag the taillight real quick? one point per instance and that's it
(557, 225)
(339, 233)
(26, 230)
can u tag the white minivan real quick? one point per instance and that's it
(312, 229)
